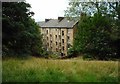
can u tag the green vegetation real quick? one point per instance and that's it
(97, 36)
(20, 34)
(31, 69)
(98, 30)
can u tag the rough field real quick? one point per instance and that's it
(34, 69)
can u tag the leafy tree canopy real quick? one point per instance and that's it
(98, 30)
(20, 33)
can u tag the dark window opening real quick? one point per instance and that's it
(50, 35)
(62, 54)
(68, 37)
(63, 47)
(62, 40)
(56, 36)
(60, 44)
(56, 43)
(62, 33)
(56, 50)
(59, 36)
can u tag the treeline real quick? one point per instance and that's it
(20, 34)
(98, 32)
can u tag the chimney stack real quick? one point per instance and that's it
(60, 18)
(46, 20)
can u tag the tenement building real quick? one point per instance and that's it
(58, 34)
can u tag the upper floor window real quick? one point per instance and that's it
(50, 35)
(56, 36)
(47, 31)
(60, 44)
(56, 43)
(59, 37)
(69, 30)
(47, 44)
(68, 37)
(62, 40)
(62, 33)
(47, 38)
(63, 47)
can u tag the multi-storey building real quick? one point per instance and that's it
(58, 34)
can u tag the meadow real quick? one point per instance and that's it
(33, 69)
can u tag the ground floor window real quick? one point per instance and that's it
(62, 54)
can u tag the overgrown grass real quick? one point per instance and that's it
(69, 70)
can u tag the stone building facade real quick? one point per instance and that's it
(58, 34)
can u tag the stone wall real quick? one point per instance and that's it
(58, 40)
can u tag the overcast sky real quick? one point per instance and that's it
(47, 8)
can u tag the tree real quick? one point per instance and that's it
(76, 7)
(20, 33)
(98, 29)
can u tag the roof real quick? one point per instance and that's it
(41, 23)
(56, 23)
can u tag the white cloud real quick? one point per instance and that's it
(48, 8)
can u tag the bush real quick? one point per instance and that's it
(72, 52)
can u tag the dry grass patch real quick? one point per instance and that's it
(68, 70)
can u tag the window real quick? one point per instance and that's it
(47, 44)
(51, 41)
(62, 40)
(56, 50)
(47, 31)
(63, 47)
(68, 37)
(59, 37)
(47, 38)
(62, 33)
(62, 54)
(60, 44)
(69, 30)
(69, 45)
(56, 36)
(50, 35)
(51, 48)
(56, 43)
